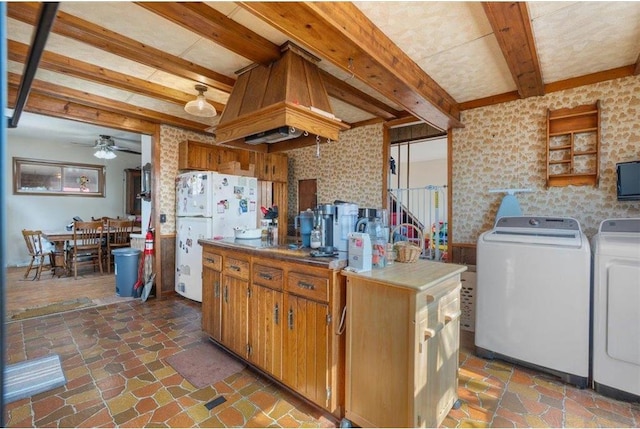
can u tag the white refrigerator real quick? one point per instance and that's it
(208, 205)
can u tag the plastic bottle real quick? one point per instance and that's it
(378, 244)
(315, 239)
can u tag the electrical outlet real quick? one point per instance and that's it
(163, 218)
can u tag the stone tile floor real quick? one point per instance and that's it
(114, 360)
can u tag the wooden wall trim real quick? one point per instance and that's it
(386, 152)
(450, 187)
(561, 85)
(590, 79)
(154, 220)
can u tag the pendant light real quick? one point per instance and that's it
(200, 106)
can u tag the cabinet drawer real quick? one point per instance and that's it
(449, 306)
(423, 300)
(236, 267)
(437, 292)
(267, 276)
(312, 287)
(441, 311)
(212, 260)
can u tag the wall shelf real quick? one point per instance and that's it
(573, 146)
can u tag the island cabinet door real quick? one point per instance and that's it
(211, 303)
(265, 329)
(306, 366)
(234, 314)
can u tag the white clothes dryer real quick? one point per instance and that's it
(616, 309)
(533, 295)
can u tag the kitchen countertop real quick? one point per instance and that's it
(419, 275)
(258, 247)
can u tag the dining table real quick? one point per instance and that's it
(59, 239)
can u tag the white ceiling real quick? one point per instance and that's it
(452, 42)
(62, 131)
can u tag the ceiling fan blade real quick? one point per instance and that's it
(126, 150)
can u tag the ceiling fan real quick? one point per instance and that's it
(105, 147)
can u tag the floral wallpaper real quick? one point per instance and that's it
(349, 169)
(503, 146)
(170, 138)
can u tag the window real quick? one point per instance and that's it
(34, 176)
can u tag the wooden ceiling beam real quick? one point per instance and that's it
(84, 31)
(341, 33)
(71, 67)
(103, 103)
(215, 26)
(49, 106)
(102, 38)
(343, 91)
(512, 28)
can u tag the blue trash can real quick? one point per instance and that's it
(126, 269)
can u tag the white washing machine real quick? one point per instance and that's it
(533, 295)
(616, 309)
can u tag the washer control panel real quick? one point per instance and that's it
(538, 222)
(621, 225)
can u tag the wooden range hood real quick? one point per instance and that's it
(287, 93)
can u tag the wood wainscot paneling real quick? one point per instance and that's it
(463, 253)
(168, 255)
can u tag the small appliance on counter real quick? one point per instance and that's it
(335, 222)
(344, 222)
(359, 252)
(305, 222)
(324, 223)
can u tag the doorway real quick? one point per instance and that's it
(417, 191)
(307, 194)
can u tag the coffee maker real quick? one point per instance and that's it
(335, 222)
(323, 222)
(344, 222)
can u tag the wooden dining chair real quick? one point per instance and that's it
(119, 236)
(104, 219)
(86, 246)
(33, 239)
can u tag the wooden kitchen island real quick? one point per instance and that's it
(403, 337)
(280, 310)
